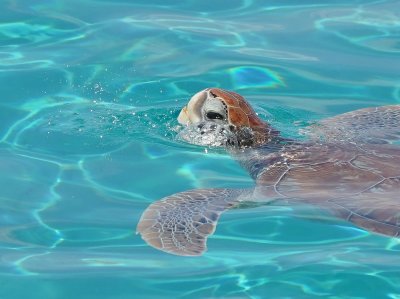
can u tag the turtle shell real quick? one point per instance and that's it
(357, 184)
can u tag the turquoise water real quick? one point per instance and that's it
(90, 92)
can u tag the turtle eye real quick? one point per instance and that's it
(214, 115)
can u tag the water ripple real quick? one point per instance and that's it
(90, 94)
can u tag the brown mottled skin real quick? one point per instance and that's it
(353, 172)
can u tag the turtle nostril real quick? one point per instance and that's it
(200, 126)
(230, 142)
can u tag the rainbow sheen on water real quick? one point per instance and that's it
(254, 77)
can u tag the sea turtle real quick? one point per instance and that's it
(350, 166)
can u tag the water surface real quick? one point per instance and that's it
(90, 92)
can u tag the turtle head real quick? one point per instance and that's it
(219, 117)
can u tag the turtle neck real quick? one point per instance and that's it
(255, 159)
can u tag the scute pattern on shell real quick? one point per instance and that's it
(369, 125)
(361, 185)
(375, 209)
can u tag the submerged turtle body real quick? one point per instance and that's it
(354, 174)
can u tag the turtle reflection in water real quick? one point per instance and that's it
(352, 172)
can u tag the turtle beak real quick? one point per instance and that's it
(191, 113)
(183, 117)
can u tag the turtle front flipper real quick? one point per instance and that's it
(180, 224)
